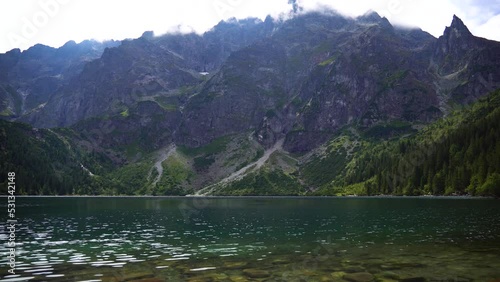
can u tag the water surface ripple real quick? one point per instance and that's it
(221, 239)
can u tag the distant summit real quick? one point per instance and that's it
(456, 43)
(301, 79)
(458, 28)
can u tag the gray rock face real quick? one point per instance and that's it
(466, 67)
(29, 78)
(302, 79)
(144, 69)
(121, 78)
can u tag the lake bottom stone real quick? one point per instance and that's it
(359, 277)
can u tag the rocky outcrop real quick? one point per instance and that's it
(301, 80)
(466, 66)
(28, 79)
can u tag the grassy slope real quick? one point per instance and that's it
(46, 161)
(456, 155)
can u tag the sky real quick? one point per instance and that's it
(54, 22)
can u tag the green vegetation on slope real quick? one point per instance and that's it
(216, 146)
(265, 182)
(204, 156)
(456, 155)
(45, 161)
(459, 154)
(176, 173)
(324, 168)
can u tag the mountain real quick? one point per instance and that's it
(47, 161)
(459, 155)
(29, 78)
(144, 69)
(466, 66)
(285, 105)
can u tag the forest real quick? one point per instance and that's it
(456, 155)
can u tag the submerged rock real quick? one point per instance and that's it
(400, 265)
(256, 273)
(200, 279)
(325, 279)
(414, 279)
(390, 275)
(280, 261)
(359, 277)
(209, 277)
(235, 264)
(338, 274)
(238, 279)
(410, 265)
(389, 267)
(354, 269)
(137, 276)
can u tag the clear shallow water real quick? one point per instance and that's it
(255, 239)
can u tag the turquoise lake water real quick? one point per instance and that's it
(254, 239)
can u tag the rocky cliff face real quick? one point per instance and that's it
(121, 78)
(465, 66)
(147, 68)
(28, 79)
(300, 80)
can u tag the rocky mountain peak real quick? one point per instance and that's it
(148, 34)
(457, 29)
(454, 45)
(372, 17)
(303, 78)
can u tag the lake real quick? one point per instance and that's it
(254, 239)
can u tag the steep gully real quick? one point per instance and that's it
(243, 171)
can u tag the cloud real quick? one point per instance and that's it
(481, 16)
(53, 22)
(115, 19)
(490, 29)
